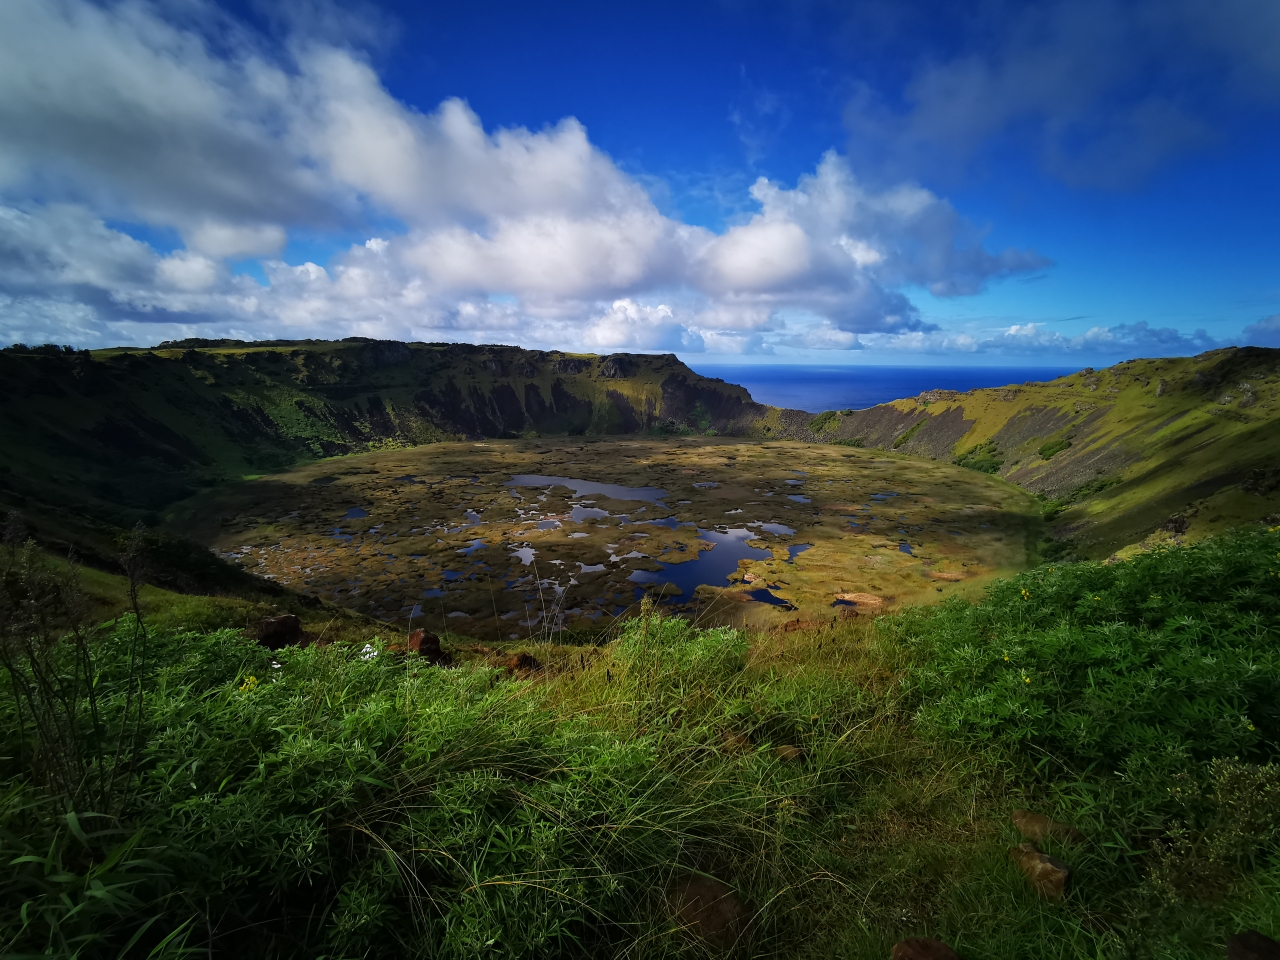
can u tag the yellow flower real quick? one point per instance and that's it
(1025, 594)
(1006, 659)
(1252, 727)
(249, 684)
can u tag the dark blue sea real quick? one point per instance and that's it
(818, 388)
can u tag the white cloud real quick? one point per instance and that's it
(1033, 339)
(633, 326)
(1264, 333)
(762, 255)
(115, 112)
(187, 271)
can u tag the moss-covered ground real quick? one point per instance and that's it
(438, 533)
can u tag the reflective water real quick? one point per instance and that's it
(761, 595)
(712, 566)
(586, 487)
(777, 529)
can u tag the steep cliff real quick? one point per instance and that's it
(115, 435)
(1145, 450)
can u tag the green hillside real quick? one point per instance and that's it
(1143, 452)
(110, 437)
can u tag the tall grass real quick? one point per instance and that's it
(349, 801)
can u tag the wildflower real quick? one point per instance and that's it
(1252, 727)
(1026, 679)
(1025, 595)
(249, 684)
(1006, 658)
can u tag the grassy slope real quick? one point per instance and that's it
(355, 805)
(1194, 437)
(95, 441)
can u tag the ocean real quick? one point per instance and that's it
(818, 388)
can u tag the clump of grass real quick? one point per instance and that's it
(910, 432)
(352, 801)
(828, 420)
(1053, 507)
(985, 458)
(1050, 448)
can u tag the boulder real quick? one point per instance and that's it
(708, 908)
(522, 664)
(1037, 828)
(1252, 945)
(282, 631)
(1048, 875)
(922, 948)
(427, 646)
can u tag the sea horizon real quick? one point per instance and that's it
(818, 387)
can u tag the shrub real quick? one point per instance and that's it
(984, 458)
(823, 422)
(1137, 670)
(1051, 447)
(909, 432)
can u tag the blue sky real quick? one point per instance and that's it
(879, 182)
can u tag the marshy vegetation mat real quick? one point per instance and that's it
(504, 540)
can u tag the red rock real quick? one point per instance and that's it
(1036, 827)
(922, 948)
(736, 742)
(1047, 874)
(709, 908)
(427, 646)
(522, 663)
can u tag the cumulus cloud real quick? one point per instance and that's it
(630, 325)
(1035, 339)
(1264, 333)
(117, 113)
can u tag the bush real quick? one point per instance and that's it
(1051, 447)
(984, 458)
(910, 432)
(1137, 669)
(823, 422)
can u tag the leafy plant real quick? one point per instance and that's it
(985, 458)
(1133, 670)
(1051, 447)
(910, 432)
(825, 421)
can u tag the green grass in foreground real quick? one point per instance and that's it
(347, 801)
